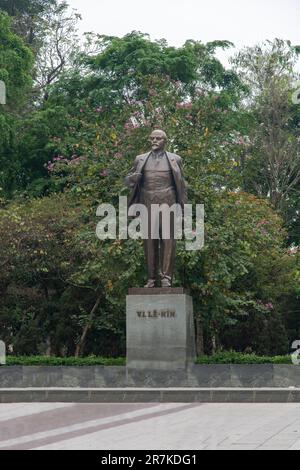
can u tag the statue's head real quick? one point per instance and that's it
(158, 140)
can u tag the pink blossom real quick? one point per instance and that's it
(50, 167)
(294, 250)
(262, 222)
(152, 92)
(132, 123)
(269, 306)
(76, 161)
(184, 105)
(104, 173)
(58, 158)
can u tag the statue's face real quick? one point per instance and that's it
(158, 141)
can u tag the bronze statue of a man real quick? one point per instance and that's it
(157, 178)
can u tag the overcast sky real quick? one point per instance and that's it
(244, 22)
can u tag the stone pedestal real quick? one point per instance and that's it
(160, 329)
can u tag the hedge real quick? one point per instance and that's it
(64, 361)
(239, 358)
(219, 358)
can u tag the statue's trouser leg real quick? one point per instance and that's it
(168, 248)
(151, 254)
(151, 246)
(159, 253)
(168, 245)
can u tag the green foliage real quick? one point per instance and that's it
(15, 7)
(62, 290)
(26, 16)
(232, 357)
(66, 361)
(271, 160)
(16, 62)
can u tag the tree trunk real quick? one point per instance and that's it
(214, 344)
(80, 346)
(199, 338)
(48, 347)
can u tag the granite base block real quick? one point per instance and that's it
(160, 331)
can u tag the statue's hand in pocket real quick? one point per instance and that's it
(132, 179)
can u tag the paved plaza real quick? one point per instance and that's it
(149, 426)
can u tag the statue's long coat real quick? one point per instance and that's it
(133, 180)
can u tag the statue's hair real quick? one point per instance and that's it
(162, 132)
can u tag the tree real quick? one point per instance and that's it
(16, 63)
(272, 159)
(63, 290)
(59, 45)
(25, 15)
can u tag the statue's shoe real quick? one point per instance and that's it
(166, 282)
(150, 284)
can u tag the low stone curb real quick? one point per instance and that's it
(150, 395)
(198, 376)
